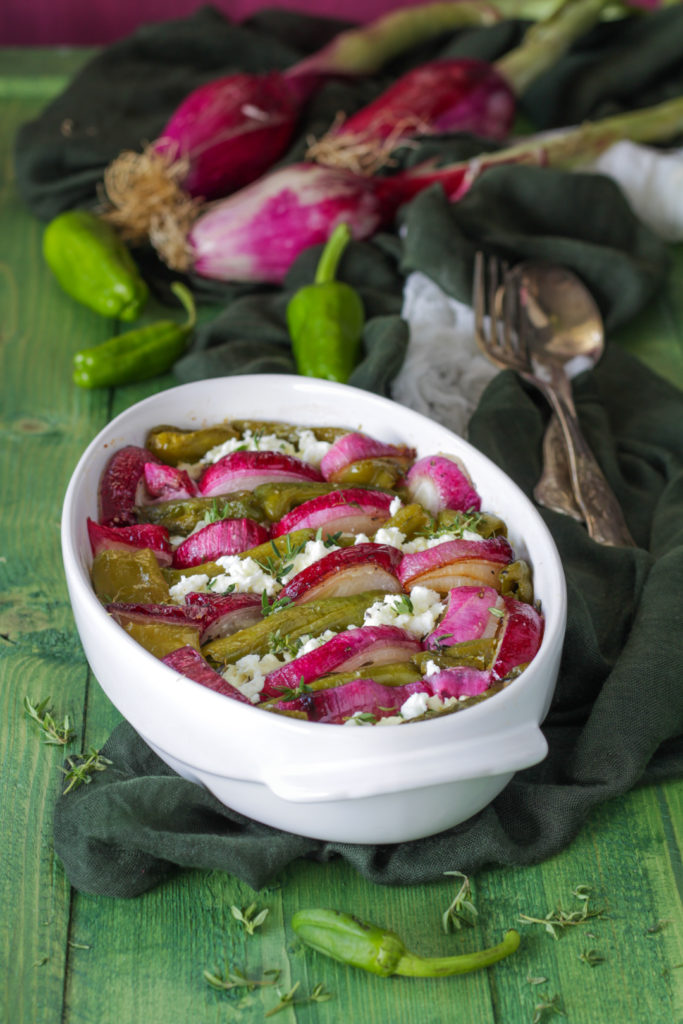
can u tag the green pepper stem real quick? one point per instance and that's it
(329, 260)
(546, 41)
(185, 296)
(414, 966)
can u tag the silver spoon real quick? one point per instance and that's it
(564, 334)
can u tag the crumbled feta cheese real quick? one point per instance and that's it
(307, 447)
(310, 449)
(187, 585)
(396, 504)
(431, 668)
(427, 609)
(391, 535)
(244, 575)
(311, 643)
(415, 706)
(313, 552)
(249, 673)
(249, 442)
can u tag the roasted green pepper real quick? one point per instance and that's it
(325, 319)
(380, 951)
(138, 354)
(93, 265)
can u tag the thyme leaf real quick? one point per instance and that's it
(250, 917)
(54, 733)
(560, 918)
(461, 909)
(232, 977)
(82, 767)
(317, 995)
(591, 957)
(549, 1004)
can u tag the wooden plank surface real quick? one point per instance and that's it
(69, 958)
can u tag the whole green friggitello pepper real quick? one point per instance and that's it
(325, 319)
(379, 951)
(138, 354)
(93, 265)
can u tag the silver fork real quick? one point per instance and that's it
(505, 342)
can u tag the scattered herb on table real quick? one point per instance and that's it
(536, 980)
(591, 957)
(560, 918)
(54, 733)
(232, 978)
(657, 927)
(317, 995)
(462, 909)
(81, 768)
(380, 951)
(249, 917)
(550, 1004)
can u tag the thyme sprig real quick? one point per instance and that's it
(232, 978)
(403, 605)
(250, 917)
(560, 918)
(317, 995)
(268, 609)
(462, 909)
(54, 733)
(81, 768)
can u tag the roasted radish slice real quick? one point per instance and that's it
(243, 471)
(224, 537)
(471, 613)
(222, 614)
(347, 571)
(359, 447)
(521, 632)
(127, 538)
(456, 563)
(345, 652)
(374, 700)
(349, 511)
(122, 486)
(441, 481)
(189, 662)
(165, 483)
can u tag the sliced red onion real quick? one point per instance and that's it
(126, 538)
(439, 482)
(354, 447)
(222, 614)
(349, 511)
(456, 563)
(166, 483)
(122, 486)
(243, 471)
(522, 632)
(347, 571)
(190, 663)
(345, 652)
(468, 616)
(224, 537)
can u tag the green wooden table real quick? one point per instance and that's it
(73, 959)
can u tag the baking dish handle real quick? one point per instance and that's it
(507, 752)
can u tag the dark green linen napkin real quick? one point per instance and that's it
(616, 719)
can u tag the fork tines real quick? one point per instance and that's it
(496, 298)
